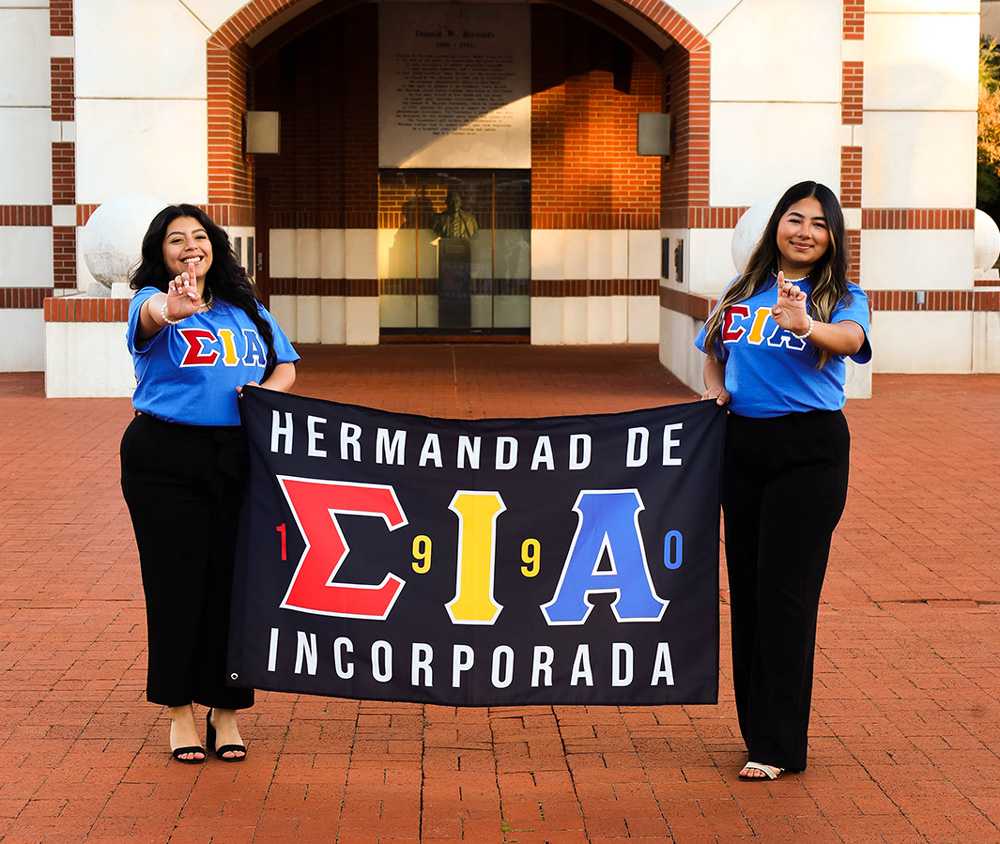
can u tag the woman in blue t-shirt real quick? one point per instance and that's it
(776, 345)
(197, 335)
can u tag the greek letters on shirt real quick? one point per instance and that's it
(206, 347)
(757, 327)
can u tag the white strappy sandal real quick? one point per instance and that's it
(767, 770)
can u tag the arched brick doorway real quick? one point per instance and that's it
(679, 54)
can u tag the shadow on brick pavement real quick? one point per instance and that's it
(904, 735)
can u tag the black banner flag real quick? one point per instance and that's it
(490, 562)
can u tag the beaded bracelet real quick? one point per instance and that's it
(810, 330)
(169, 321)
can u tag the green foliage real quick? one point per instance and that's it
(989, 63)
(988, 147)
(987, 187)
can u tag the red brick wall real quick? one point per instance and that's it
(63, 173)
(60, 17)
(685, 198)
(25, 215)
(918, 218)
(853, 85)
(850, 177)
(229, 171)
(361, 121)
(62, 83)
(585, 170)
(852, 111)
(674, 196)
(62, 86)
(325, 84)
(854, 19)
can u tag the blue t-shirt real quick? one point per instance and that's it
(189, 372)
(768, 371)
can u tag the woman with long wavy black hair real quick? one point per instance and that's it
(197, 335)
(776, 347)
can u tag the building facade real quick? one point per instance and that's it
(606, 150)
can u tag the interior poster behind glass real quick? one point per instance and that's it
(454, 86)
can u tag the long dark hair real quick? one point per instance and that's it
(829, 276)
(225, 279)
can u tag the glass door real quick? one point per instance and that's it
(454, 252)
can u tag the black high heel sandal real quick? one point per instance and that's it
(210, 738)
(192, 749)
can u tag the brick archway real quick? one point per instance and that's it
(685, 187)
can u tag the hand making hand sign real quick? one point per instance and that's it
(789, 311)
(183, 299)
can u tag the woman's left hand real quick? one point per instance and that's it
(720, 395)
(789, 311)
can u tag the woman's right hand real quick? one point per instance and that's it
(181, 301)
(182, 297)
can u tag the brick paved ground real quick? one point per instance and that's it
(905, 733)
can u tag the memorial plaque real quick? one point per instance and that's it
(454, 86)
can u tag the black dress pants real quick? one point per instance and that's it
(182, 484)
(783, 491)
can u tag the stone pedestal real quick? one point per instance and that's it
(454, 283)
(85, 352)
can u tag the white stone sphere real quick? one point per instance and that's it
(986, 241)
(749, 230)
(112, 239)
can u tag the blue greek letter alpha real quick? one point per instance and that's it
(608, 522)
